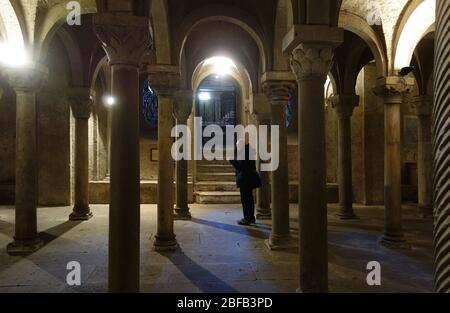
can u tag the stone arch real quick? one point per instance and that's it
(240, 74)
(214, 13)
(100, 73)
(357, 25)
(74, 54)
(410, 30)
(52, 21)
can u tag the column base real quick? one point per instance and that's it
(347, 216)
(263, 216)
(77, 216)
(165, 244)
(182, 214)
(276, 243)
(23, 247)
(394, 242)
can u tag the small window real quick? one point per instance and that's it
(150, 105)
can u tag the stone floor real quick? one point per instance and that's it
(215, 254)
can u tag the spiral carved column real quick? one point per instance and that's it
(441, 149)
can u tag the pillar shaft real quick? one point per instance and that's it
(81, 102)
(422, 106)
(165, 237)
(183, 101)
(441, 148)
(312, 186)
(344, 105)
(311, 61)
(165, 83)
(125, 39)
(391, 90)
(26, 82)
(263, 210)
(278, 93)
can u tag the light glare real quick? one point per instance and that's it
(12, 55)
(221, 66)
(204, 96)
(109, 100)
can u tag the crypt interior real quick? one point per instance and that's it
(360, 95)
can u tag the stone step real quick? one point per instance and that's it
(211, 197)
(214, 162)
(220, 177)
(215, 186)
(215, 168)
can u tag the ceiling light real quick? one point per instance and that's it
(221, 65)
(109, 100)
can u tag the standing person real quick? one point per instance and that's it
(247, 179)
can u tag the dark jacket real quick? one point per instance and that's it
(246, 174)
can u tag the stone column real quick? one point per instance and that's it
(392, 90)
(441, 148)
(278, 93)
(422, 106)
(125, 38)
(81, 100)
(26, 82)
(181, 111)
(165, 80)
(344, 105)
(263, 210)
(311, 61)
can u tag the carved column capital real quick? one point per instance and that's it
(27, 79)
(182, 107)
(278, 92)
(164, 79)
(309, 60)
(81, 102)
(422, 105)
(392, 89)
(344, 104)
(125, 38)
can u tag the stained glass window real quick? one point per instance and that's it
(289, 112)
(150, 105)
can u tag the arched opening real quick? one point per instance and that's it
(223, 93)
(216, 102)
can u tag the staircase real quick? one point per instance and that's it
(216, 183)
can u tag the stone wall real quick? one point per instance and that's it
(54, 147)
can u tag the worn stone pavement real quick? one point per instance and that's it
(215, 254)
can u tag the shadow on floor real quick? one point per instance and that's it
(57, 231)
(198, 275)
(7, 229)
(47, 236)
(252, 231)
